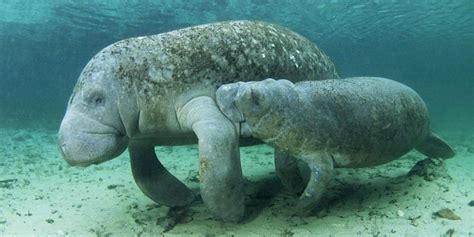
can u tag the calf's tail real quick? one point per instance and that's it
(435, 147)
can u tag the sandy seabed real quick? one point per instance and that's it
(40, 195)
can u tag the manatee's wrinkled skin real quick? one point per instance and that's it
(160, 90)
(353, 122)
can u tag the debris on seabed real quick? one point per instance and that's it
(446, 214)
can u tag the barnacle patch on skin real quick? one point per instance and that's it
(218, 53)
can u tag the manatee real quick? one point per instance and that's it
(352, 122)
(157, 90)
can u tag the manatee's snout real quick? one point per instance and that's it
(225, 97)
(243, 100)
(84, 141)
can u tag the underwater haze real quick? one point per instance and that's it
(44, 45)
(429, 45)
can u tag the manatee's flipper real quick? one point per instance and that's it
(220, 171)
(435, 147)
(321, 168)
(287, 170)
(154, 180)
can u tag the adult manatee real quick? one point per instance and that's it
(160, 90)
(353, 122)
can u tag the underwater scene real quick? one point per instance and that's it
(236, 118)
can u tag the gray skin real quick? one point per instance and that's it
(353, 122)
(160, 90)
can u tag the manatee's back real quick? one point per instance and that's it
(220, 53)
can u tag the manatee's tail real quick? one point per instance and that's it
(435, 147)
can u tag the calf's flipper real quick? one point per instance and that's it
(287, 170)
(321, 168)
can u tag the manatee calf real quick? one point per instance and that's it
(354, 122)
(160, 90)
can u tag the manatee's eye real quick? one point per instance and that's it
(97, 99)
